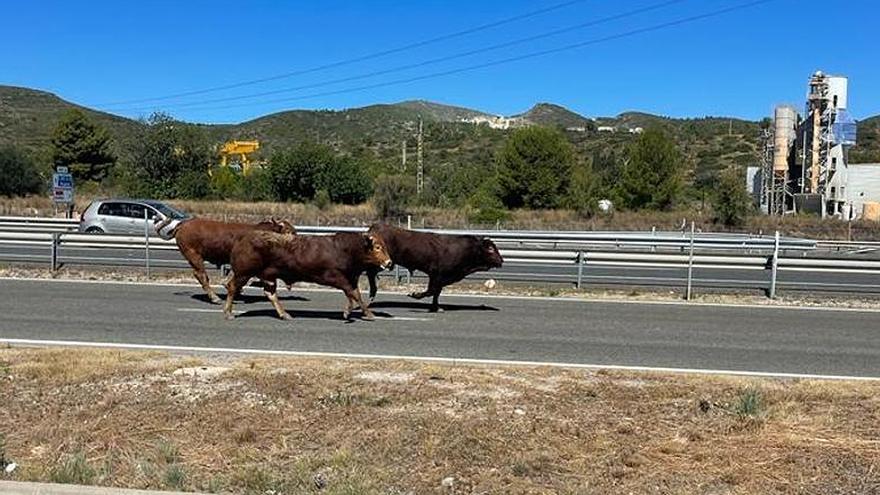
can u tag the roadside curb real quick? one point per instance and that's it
(27, 488)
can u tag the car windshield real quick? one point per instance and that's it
(167, 210)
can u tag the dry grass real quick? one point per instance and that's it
(292, 426)
(362, 215)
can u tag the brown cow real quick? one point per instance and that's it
(201, 239)
(445, 258)
(337, 261)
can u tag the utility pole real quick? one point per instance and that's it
(403, 155)
(421, 171)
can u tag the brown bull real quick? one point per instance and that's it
(445, 258)
(336, 261)
(201, 239)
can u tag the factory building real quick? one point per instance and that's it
(805, 167)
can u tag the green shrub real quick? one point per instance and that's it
(487, 209)
(322, 199)
(732, 203)
(225, 183)
(18, 173)
(74, 470)
(749, 403)
(345, 180)
(394, 194)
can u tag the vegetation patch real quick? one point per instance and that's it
(335, 426)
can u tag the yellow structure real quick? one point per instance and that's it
(241, 149)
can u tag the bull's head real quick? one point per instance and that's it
(491, 255)
(377, 253)
(279, 226)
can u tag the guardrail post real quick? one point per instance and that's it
(774, 264)
(147, 243)
(690, 264)
(580, 262)
(53, 259)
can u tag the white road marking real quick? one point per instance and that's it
(431, 359)
(570, 299)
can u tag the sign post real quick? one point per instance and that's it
(62, 188)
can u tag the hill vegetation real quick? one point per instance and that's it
(462, 158)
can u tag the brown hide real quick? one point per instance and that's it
(335, 261)
(201, 239)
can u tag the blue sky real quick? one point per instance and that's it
(737, 64)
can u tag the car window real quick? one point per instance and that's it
(167, 210)
(136, 210)
(114, 209)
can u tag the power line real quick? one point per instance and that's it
(626, 34)
(354, 60)
(424, 63)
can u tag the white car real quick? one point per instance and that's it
(128, 216)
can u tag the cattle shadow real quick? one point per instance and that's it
(427, 306)
(242, 298)
(309, 314)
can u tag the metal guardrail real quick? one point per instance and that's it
(578, 250)
(517, 238)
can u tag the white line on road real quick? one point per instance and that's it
(432, 359)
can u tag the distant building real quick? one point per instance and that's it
(576, 129)
(862, 187)
(605, 128)
(857, 188)
(495, 122)
(636, 130)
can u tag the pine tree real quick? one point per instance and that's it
(653, 175)
(82, 146)
(535, 167)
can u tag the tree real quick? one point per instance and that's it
(534, 168)
(82, 146)
(295, 173)
(345, 181)
(732, 202)
(170, 159)
(652, 176)
(394, 194)
(18, 174)
(583, 191)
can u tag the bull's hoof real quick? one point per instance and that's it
(285, 316)
(228, 316)
(345, 316)
(368, 317)
(435, 309)
(215, 299)
(417, 295)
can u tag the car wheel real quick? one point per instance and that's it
(94, 230)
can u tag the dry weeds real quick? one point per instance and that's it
(362, 215)
(328, 426)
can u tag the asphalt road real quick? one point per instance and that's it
(746, 339)
(594, 275)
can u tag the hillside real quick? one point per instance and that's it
(867, 149)
(548, 114)
(709, 143)
(27, 117)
